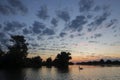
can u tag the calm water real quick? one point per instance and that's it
(72, 73)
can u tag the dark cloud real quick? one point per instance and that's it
(113, 27)
(71, 36)
(89, 16)
(48, 31)
(97, 35)
(98, 21)
(42, 49)
(62, 34)
(14, 7)
(51, 37)
(43, 13)
(54, 22)
(18, 5)
(0, 26)
(26, 31)
(37, 27)
(6, 10)
(112, 22)
(13, 26)
(93, 41)
(39, 37)
(35, 45)
(85, 5)
(97, 8)
(77, 24)
(82, 34)
(2, 35)
(64, 15)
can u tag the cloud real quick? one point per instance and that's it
(35, 45)
(72, 36)
(54, 22)
(51, 37)
(0, 26)
(37, 27)
(3, 39)
(93, 41)
(48, 31)
(2, 35)
(43, 13)
(42, 49)
(62, 34)
(26, 31)
(82, 34)
(97, 35)
(97, 8)
(13, 26)
(98, 21)
(77, 23)
(64, 15)
(6, 10)
(13, 7)
(112, 22)
(89, 16)
(85, 5)
(18, 5)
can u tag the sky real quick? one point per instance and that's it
(88, 29)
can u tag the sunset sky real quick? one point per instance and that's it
(88, 29)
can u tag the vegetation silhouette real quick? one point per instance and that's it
(16, 57)
(62, 59)
(13, 74)
(48, 63)
(16, 53)
(100, 62)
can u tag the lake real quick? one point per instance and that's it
(71, 73)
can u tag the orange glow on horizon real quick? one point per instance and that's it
(77, 58)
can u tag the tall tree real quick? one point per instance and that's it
(19, 47)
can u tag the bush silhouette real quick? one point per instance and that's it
(62, 59)
(48, 62)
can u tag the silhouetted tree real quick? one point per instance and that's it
(101, 61)
(108, 62)
(37, 61)
(49, 62)
(62, 59)
(17, 52)
(19, 49)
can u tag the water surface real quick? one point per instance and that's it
(72, 73)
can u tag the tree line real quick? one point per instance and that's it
(100, 62)
(16, 56)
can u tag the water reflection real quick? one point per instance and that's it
(12, 74)
(63, 70)
(69, 73)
